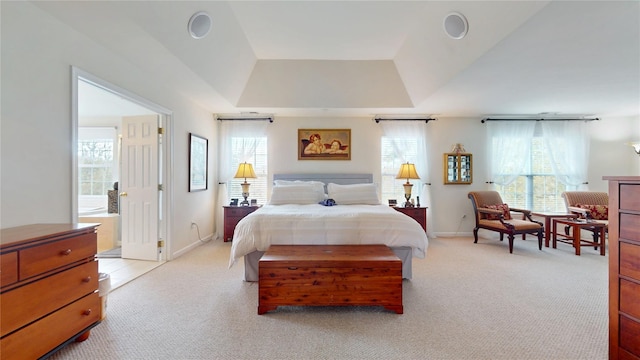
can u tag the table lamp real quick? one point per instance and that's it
(245, 170)
(407, 171)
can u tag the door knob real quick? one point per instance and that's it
(123, 194)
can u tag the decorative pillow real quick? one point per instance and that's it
(296, 194)
(598, 212)
(355, 194)
(502, 207)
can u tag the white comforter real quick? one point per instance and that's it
(315, 224)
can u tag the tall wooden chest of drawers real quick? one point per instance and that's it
(48, 289)
(624, 267)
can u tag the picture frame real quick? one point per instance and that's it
(324, 144)
(198, 163)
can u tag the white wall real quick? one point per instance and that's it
(36, 123)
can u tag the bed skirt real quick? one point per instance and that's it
(251, 263)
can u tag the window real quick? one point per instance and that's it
(538, 189)
(391, 188)
(97, 166)
(257, 158)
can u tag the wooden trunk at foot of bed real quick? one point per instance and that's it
(330, 275)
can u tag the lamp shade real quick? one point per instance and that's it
(245, 171)
(407, 171)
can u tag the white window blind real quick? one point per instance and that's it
(258, 159)
(391, 188)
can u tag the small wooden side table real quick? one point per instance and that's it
(232, 215)
(547, 222)
(418, 214)
(576, 240)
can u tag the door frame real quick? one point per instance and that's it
(166, 146)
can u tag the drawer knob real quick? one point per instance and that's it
(66, 252)
(87, 312)
(87, 279)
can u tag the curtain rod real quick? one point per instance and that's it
(540, 119)
(426, 120)
(269, 118)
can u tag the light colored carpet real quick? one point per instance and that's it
(466, 301)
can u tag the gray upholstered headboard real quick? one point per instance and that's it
(341, 179)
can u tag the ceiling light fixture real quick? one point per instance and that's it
(199, 25)
(455, 25)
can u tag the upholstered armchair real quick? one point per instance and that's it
(590, 205)
(494, 215)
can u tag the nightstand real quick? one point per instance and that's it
(418, 214)
(233, 214)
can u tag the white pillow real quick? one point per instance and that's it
(296, 194)
(318, 185)
(365, 194)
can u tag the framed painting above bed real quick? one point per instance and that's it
(324, 144)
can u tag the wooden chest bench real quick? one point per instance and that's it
(329, 275)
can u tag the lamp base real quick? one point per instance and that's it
(244, 202)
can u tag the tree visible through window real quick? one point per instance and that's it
(538, 189)
(96, 161)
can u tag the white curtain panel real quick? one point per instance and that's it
(400, 133)
(509, 146)
(229, 129)
(568, 144)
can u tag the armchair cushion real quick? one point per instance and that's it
(598, 212)
(501, 207)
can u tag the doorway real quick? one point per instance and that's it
(99, 104)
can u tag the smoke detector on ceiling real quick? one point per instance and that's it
(455, 25)
(199, 25)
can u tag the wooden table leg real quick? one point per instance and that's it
(576, 238)
(602, 241)
(555, 234)
(547, 230)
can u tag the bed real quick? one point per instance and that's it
(300, 213)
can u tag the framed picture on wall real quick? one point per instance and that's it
(198, 163)
(324, 144)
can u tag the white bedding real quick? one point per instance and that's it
(314, 224)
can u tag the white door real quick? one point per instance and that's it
(139, 209)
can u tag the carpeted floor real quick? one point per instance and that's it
(466, 301)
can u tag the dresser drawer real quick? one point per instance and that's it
(629, 302)
(630, 226)
(630, 335)
(630, 260)
(8, 268)
(40, 259)
(47, 333)
(630, 197)
(25, 304)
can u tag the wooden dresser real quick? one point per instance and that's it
(624, 267)
(48, 287)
